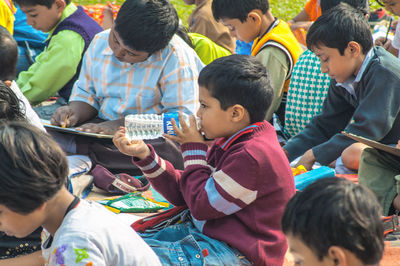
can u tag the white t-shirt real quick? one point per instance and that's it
(396, 38)
(30, 114)
(92, 235)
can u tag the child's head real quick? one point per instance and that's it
(392, 6)
(362, 5)
(43, 14)
(332, 218)
(233, 89)
(10, 105)
(341, 38)
(243, 18)
(141, 28)
(33, 168)
(8, 55)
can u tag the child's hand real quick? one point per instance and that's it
(187, 133)
(382, 41)
(64, 117)
(136, 148)
(107, 127)
(307, 160)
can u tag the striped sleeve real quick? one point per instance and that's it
(162, 176)
(213, 194)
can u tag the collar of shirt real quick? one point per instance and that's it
(68, 11)
(350, 82)
(225, 143)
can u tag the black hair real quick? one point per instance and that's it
(8, 55)
(11, 108)
(146, 25)
(362, 5)
(339, 26)
(239, 79)
(184, 34)
(336, 212)
(237, 9)
(46, 3)
(33, 168)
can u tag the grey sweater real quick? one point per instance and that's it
(373, 114)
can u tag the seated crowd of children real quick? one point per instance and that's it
(227, 168)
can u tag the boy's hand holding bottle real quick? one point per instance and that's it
(136, 148)
(186, 133)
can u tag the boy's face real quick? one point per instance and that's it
(338, 67)
(43, 18)
(304, 256)
(122, 52)
(392, 6)
(244, 31)
(214, 122)
(19, 225)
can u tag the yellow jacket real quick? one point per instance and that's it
(281, 37)
(7, 11)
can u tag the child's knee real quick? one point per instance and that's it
(352, 154)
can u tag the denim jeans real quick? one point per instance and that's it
(184, 244)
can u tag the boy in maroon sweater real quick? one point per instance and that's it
(237, 190)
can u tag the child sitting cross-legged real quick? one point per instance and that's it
(334, 222)
(235, 191)
(33, 170)
(364, 93)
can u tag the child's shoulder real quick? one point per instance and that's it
(262, 138)
(383, 68)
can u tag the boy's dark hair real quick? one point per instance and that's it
(339, 26)
(46, 3)
(336, 212)
(10, 105)
(237, 9)
(8, 55)
(361, 5)
(146, 25)
(33, 168)
(184, 34)
(239, 79)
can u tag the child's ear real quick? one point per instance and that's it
(337, 256)
(60, 4)
(354, 48)
(237, 112)
(255, 17)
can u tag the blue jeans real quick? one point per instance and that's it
(184, 244)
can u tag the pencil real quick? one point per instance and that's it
(388, 30)
(65, 122)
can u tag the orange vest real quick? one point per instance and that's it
(281, 37)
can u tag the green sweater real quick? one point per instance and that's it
(374, 113)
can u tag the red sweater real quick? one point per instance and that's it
(236, 192)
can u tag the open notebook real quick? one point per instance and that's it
(374, 144)
(47, 124)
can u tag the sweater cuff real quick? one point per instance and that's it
(194, 153)
(152, 166)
